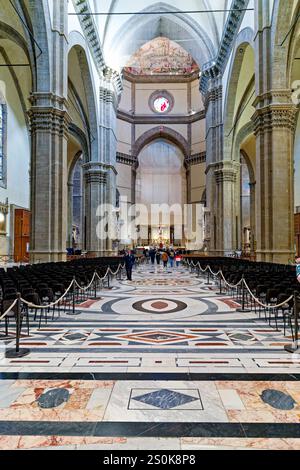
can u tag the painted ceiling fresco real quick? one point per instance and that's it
(161, 56)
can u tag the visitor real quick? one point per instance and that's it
(171, 258)
(129, 262)
(152, 255)
(165, 259)
(158, 256)
(298, 269)
(177, 259)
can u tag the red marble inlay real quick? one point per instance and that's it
(159, 305)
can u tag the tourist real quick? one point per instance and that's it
(165, 259)
(129, 262)
(158, 256)
(171, 258)
(298, 269)
(152, 255)
(177, 259)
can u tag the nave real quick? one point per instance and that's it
(161, 362)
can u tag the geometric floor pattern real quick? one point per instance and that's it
(167, 349)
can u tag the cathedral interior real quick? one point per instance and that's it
(128, 127)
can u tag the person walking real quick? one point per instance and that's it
(178, 259)
(171, 258)
(165, 259)
(152, 255)
(158, 256)
(129, 262)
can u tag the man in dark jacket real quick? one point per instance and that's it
(129, 262)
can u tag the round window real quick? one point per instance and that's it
(161, 101)
(161, 104)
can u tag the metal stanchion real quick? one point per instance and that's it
(12, 353)
(73, 300)
(220, 285)
(208, 283)
(294, 348)
(243, 309)
(95, 287)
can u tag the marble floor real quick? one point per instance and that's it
(162, 362)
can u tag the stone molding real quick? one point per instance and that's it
(196, 159)
(275, 117)
(91, 34)
(126, 159)
(95, 176)
(160, 119)
(216, 67)
(161, 132)
(52, 120)
(213, 95)
(226, 171)
(160, 78)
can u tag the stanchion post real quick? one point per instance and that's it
(208, 279)
(73, 297)
(95, 286)
(12, 353)
(243, 309)
(294, 348)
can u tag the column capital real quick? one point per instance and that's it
(226, 171)
(94, 172)
(213, 95)
(49, 113)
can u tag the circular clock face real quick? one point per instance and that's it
(161, 104)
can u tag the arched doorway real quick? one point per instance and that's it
(161, 182)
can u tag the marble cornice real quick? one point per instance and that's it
(195, 159)
(157, 119)
(160, 78)
(126, 159)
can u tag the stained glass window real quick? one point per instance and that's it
(161, 104)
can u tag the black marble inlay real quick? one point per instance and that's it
(53, 398)
(150, 429)
(146, 376)
(74, 336)
(165, 399)
(241, 337)
(278, 399)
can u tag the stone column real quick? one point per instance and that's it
(49, 137)
(252, 217)
(274, 121)
(214, 155)
(95, 178)
(49, 133)
(108, 139)
(70, 214)
(228, 205)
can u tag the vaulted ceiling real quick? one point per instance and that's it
(122, 35)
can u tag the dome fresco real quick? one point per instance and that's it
(161, 56)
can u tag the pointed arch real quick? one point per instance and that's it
(160, 132)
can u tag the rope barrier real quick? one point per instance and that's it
(234, 286)
(266, 305)
(74, 282)
(9, 309)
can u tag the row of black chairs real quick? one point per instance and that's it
(43, 284)
(271, 284)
